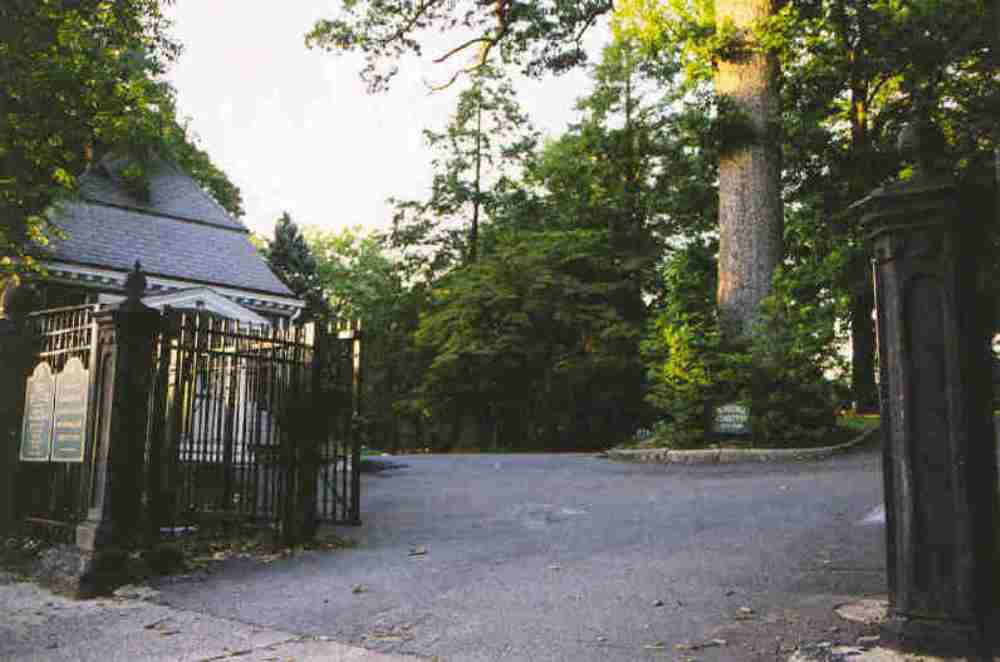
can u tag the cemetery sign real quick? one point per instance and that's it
(731, 420)
(36, 431)
(70, 418)
(55, 414)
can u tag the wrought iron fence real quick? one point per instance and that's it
(248, 421)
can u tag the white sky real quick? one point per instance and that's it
(295, 129)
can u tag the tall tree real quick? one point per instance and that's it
(750, 207)
(544, 37)
(483, 144)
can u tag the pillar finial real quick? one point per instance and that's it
(135, 285)
(922, 143)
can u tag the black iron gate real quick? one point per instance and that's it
(252, 422)
(245, 422)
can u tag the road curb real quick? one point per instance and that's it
(736, 455)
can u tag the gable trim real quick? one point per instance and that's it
(110, 279)
(101, 271)
(198, 298)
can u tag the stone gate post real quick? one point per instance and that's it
(125, 371)
(939, 459)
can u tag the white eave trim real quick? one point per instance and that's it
(98, 277)
(197, 298)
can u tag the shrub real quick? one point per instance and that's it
(781, 372)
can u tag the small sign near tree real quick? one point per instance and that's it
(731, 420)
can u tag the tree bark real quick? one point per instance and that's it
(863, 388)
(750, 207)
(474, 229)
(996, 124)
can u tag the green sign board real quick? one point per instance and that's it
(732, 419)
(69, 428)
(36, 431)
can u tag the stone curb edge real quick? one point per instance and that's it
(735, 455)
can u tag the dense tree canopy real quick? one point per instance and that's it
(821, 88)
(80, 78)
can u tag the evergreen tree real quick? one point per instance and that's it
(292, 261)
(482, 146)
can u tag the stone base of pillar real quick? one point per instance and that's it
(92, 536)
(933, 636)
(73, 572)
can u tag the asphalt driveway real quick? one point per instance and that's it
(572, 557)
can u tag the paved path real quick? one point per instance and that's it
(37, 626)
(571, 557)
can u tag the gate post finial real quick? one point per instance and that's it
(135, 286)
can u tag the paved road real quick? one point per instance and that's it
(572, 557)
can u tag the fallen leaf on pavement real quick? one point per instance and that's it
(701, 645)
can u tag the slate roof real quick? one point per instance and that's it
(180, 232)
(171, 193)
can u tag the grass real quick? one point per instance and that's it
(859, 422)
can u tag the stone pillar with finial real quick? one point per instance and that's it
(124, 349)
(939, 458)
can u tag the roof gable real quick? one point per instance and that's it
(115, 238)
(179, 232)
(172, 193)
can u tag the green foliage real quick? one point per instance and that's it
(794, 351)
(523, 339)
(538, 36)
(181, 146)
(690, 368)
(640, 170)
(785, 374)
(291, 259)
(476, 155)
(136, 180)
(358, 281)
(73, 75)
(78, 80)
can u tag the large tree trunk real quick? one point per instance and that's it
(750, 209)
(863, 389)
(996, 125)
